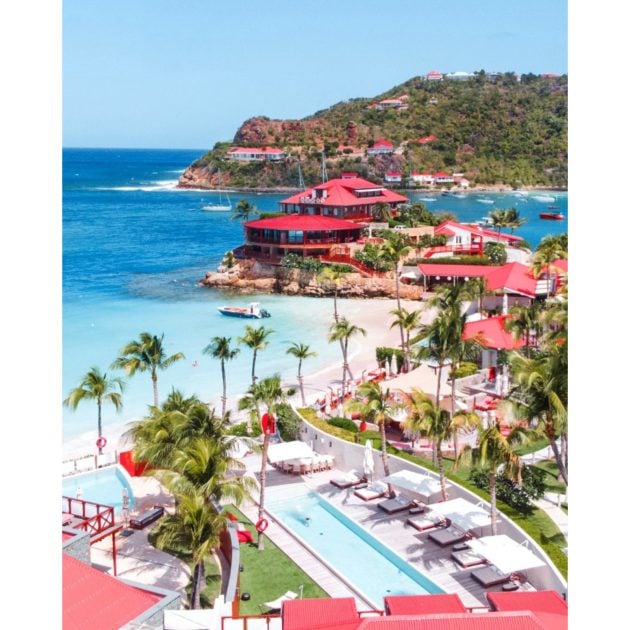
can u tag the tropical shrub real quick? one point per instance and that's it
(344, 423)
(465, 368)
(288, 422)
(496, 253)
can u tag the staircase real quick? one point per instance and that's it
(341, 259)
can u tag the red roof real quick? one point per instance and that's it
(457, 271)
(491, 333)
(441, 174)
(423, 604)
(458, 621)
(473, 229)
(433, 73)
(393, 173)
(514, 277)
(422, 175)
(304, 222)
(562, 264)
(342, 192)
(307, 614)
(95, 600)
(385, 144)
(427, 139)
(536, 601)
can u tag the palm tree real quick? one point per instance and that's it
(499, 219)
(408, 320)
(377, 407)
(219, 348)
(195, 527)
(381, 212)
(256, 340)
(513, 219)
(523, 321)
(244, 210)
(96, 386)
(394, 249)
(146, 355)
(267, 392)
(428, 418)
(343, 331)
(301, 351)
(332, 275)
(493, 450)
(541, 395)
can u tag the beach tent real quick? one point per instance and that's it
(463, 514)
(505, 553)
(289, 450)
(424, 485)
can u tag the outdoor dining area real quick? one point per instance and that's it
(298, 458)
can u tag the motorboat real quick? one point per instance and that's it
(554, 216)
(253, 311)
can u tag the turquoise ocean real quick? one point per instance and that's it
(134, 248)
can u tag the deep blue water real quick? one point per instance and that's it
(134, 248)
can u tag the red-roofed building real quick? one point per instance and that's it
(350, 198)
(304, 235)
(461, 621)
(442, 178)
(434, 75)
(349, 175)
(421, 178)
(250, 154)
(390, 103)
(491, 333)
(517, 278)
(426, 139)
(463, 238)
(393, 177)
(423, 604)
(381, 147)
(92, 599)
(306, 614)
(536, 601)
(462, 182)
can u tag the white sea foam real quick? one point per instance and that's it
(544, 198)
(160, 185)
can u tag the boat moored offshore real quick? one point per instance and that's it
(253, 311)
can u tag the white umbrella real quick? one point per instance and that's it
(288, 450)
(368, 459)
(463, 513)
(505, 553)
(424, 485)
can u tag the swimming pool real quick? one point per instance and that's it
(366, 563)
(101, 486)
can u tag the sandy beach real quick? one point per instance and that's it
(373, 315)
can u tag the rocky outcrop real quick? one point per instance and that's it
(200, 177)
(249, 276)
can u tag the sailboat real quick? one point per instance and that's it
(222, 205)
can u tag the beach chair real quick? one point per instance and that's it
(467, 558)
(490, 576)
(400, 503)
(373, 491)
(276, 604)
(348, 480)
(146, 518)
(426, 522)
(448, 536)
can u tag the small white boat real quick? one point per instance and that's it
(223, 205)
(426, 199)
(253, 311)
(484, 200)
(544, 198)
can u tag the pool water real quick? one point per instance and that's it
(366, 563)
(103, 486)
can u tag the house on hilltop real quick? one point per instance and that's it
(381, 147)
(251, 154)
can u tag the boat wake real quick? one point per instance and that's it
(159, 186)
(544, 198)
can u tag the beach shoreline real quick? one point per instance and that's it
(371, 314)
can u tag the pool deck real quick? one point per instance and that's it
(414, 547)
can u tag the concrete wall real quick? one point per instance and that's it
(78, 546)
(154, 616)
(349, 456)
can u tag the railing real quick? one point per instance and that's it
(268, 619)
(95, 517)
(352, 262)
(471, 248)
(85, 463)
(286, 242)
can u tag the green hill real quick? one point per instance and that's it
(497, 130)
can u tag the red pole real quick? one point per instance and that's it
(114, 551)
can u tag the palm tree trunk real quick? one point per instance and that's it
(400, 326)
(440, 463)
(100, 427)
(195, 595)
(336, 313)
(455, 431)
(224, 397)
(492, 486)
(155, 389)
(551, 436)
(263, 480)
(254, 368)
(301, 382)
(437, 402)
(384, 455)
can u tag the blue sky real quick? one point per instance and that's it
(184, 75)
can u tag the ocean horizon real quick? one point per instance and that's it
(134, 248)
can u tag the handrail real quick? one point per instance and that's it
(352, 262)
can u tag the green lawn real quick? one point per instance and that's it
(552, 482)
(269, 573)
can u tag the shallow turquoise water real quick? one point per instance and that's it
(103, 486)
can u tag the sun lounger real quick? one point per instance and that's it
(374, 491)
(448, 536)
(146, 518)
(467, 558)
(348, 480)
(490, 576)
(276, 604)
(400, 503)
(426, 522)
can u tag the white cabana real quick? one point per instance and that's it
(289, 450)
(463, 514)
(417, 483)
(191, 619)
(505, 553)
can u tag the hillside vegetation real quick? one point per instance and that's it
(497, 131)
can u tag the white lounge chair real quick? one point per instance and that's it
(373, 491)
(276, 604)
(348, 480)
